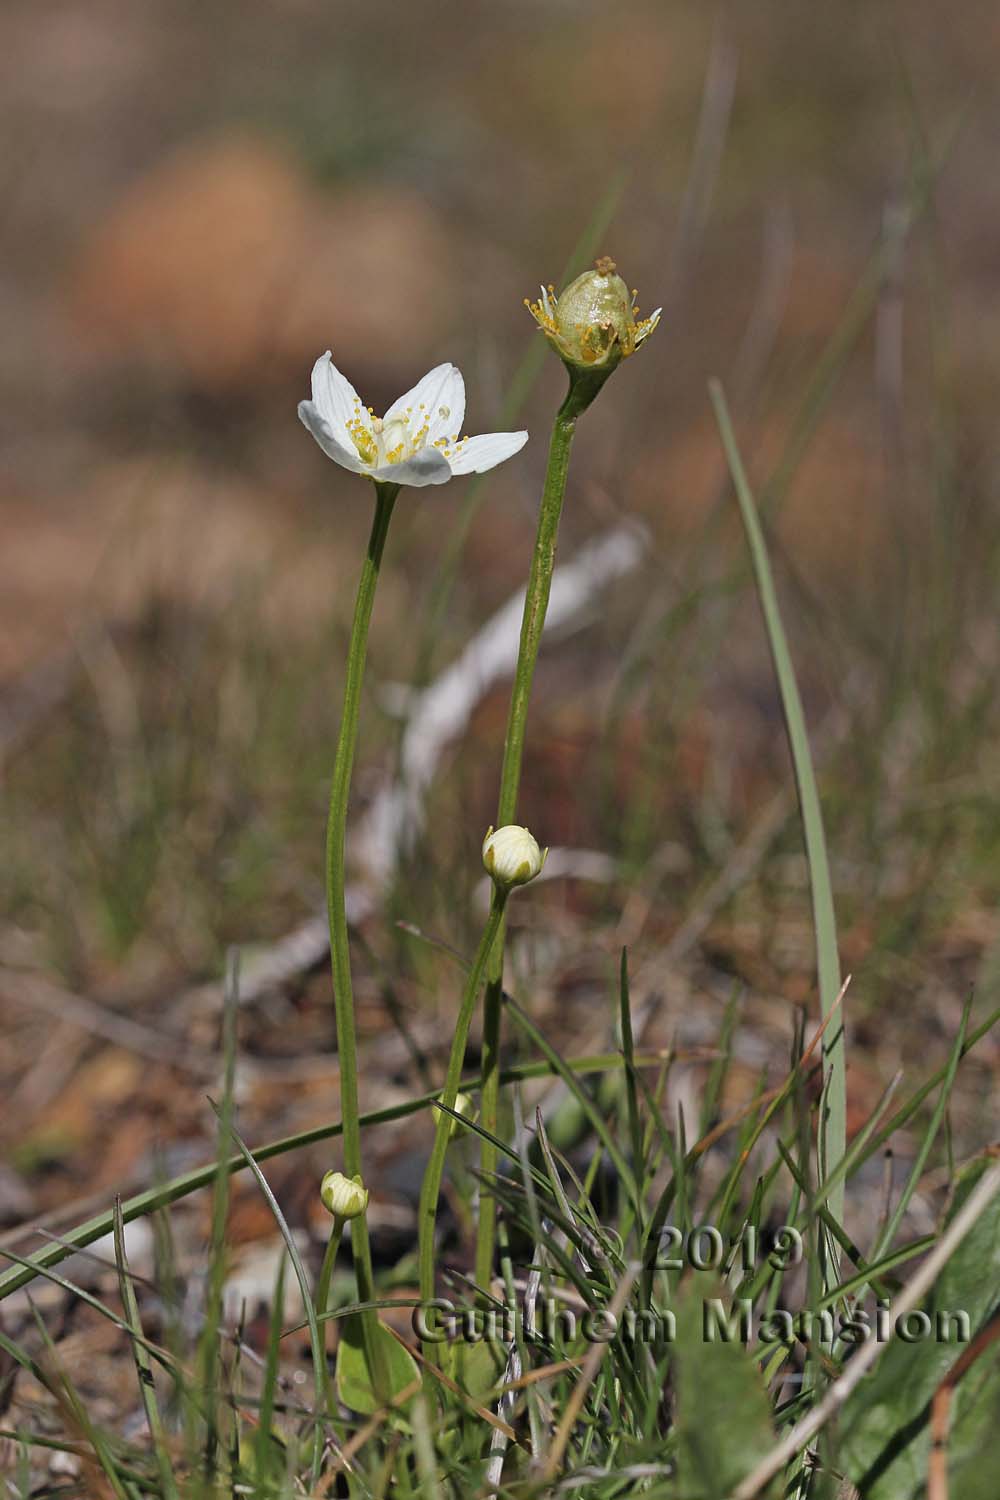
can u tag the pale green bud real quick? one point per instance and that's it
(465, 1107)
(512, 856)
(594, 323)
(344, 1197)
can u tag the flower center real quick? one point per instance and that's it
(389, 441)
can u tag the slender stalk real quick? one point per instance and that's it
(343, 994)
(583, 387)
(323, 1287)
(329, 1261)
(430, 1189)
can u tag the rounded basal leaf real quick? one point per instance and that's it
(353, 1382)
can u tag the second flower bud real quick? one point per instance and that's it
(344, 1197)
(512, 856)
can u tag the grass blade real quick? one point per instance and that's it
(182, 1186)
(74, 1415)
(888, 1234)
(589, 1107)
(631, 1091)
(143, 1363)
(833, 1135)
(264, 1446)
(208, 1349)
(316, 1343)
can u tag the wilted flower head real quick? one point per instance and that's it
(595, 322)
(346, 1197)
(417, 442)
(512, 856)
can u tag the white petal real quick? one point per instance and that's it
(441, 387)
(427, 466)
(648, 326)
(481, 453)
(335, 398)
(321, 430)
(447, 417)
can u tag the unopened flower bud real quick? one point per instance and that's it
(344, 1197)
(512, 856)
(595, 322)
(466, 1108)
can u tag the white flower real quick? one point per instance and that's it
(512, 856)
(345, 1197)
(417, 441)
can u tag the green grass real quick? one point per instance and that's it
(596, 1241)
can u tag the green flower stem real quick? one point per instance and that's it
(340, 957)
(430, 1189)
(583, 387)
(323, 1286)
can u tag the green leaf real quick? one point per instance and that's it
(723, 1412)
(885, 1437)
(478, 1368)
(974, 1441)
(353, 1384)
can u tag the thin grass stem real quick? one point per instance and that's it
(833, 1134)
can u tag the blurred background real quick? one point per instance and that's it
(198, 200)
